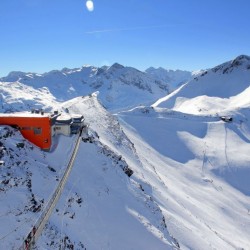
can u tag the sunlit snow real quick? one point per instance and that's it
(190, 184)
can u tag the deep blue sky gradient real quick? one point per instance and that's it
(42, 35)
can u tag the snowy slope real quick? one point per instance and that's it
(101, 206)
(184, 191)
(194, 170)
(119, 86)
(198, 170)
(28, 178)
(223, 87)
(115, 211)
(15, 96)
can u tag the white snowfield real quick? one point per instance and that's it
(225, 87)
(190, 186)
(199, 172)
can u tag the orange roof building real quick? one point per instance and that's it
(38, 127)
(35, 127)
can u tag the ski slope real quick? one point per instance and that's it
(198, 169)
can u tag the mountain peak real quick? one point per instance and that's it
(16, 73)
(228, 67)
(116, 66)
(239, 60)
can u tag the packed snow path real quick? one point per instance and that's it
(34, 234)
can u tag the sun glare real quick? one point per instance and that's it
(90, 5)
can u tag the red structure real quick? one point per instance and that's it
(34, 127)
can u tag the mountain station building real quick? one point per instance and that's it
(39, 127)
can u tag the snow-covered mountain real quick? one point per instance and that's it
(174, 78)
(224, 87)
(100, 208)
(190, 183)
(119, 86)
(16, 96)
(198, 168)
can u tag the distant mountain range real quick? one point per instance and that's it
(122, 87)
(118, 85)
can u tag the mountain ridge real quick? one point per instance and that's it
(218, 85)
(115, 83)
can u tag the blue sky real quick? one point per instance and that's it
(41, 35)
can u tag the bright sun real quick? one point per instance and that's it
(90, 5)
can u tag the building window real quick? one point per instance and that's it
(25, 128)
(37, 131)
